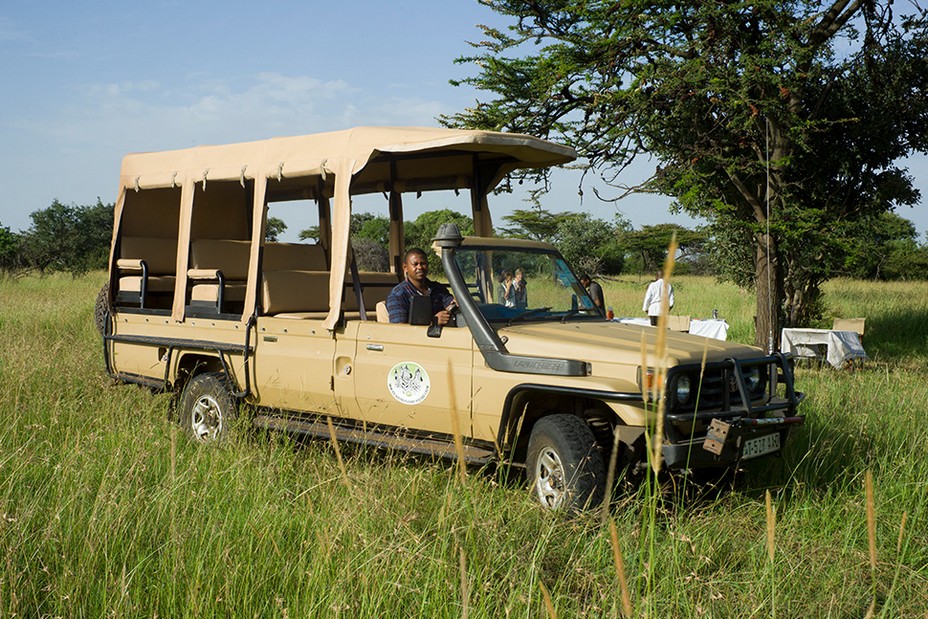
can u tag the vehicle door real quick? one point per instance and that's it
(404, 378)
(293, 363)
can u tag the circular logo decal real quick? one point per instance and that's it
(408, 382)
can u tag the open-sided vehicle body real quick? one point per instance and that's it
(200, 303)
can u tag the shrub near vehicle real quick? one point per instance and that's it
(199, 303)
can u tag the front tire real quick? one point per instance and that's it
(565, 466)
(207, 406)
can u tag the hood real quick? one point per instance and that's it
(612, 342)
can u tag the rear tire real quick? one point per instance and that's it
(565, 466)
(101, 309)
(207, 407)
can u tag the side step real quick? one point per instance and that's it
(423, 446)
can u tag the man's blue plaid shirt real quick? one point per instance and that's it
(401, 298)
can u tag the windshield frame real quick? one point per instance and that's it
(582, 307)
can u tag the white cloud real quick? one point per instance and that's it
(73, 152)
(145, 114)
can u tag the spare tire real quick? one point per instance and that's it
(101, 309)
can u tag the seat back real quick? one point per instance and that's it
(293, 257)
(382, 314)
(678, 323)
(375, 287)
(160, 254)
(295, 291)
(227, 255)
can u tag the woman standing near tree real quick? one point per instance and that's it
(507, 293)
(521, 293)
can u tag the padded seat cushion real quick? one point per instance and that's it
(158, 283)
(293, 257)
(375, 286)
(160, 254)
(210, 292)
(228, 256)
(295, 291)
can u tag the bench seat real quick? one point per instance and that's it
(146, 270)
(301, 294)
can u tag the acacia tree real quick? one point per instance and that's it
(779, 121)
(649, 244)
(588, 243)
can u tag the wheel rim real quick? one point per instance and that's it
(549, 479)
(206, 419)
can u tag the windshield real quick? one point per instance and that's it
(514, 285)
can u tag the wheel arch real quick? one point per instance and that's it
(525, 404)
(189, 364)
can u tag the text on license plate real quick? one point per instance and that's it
(761, 445)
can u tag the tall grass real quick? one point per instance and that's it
(106, 509)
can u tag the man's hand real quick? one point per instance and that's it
(442, 318)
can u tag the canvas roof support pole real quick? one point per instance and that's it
(483, 225)
(258, 220)
(183, 247)
(117, 222)
(325, 217)
(341, 226)
(397, 240)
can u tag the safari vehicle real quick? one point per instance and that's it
(201, 304)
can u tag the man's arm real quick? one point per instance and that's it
(447, 302)
(398, 305)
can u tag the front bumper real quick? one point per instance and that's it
(723, 444)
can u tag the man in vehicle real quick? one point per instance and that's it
(417, 284)
(595, 290)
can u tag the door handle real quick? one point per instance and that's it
(375, 347)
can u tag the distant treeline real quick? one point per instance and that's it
(75, 239)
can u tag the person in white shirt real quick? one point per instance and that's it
(653, 297)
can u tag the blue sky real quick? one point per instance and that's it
(84, 83)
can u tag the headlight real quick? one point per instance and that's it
(753, 379)
(683, 388)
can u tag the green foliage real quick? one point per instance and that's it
(273, 228)
(589, 244)
(536, 224)
(9, 249)
(778, 120)
(309, 234)
(370, 226)
(649, 244)
(888, 249)
(70, 238)
(419, 233)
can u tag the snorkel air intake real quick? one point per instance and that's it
(449, 239)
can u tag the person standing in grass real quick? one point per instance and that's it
(507, 293)
(654, 295)
(595, 290)
(519, 287)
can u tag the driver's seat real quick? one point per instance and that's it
(382, 314)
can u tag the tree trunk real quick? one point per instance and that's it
(768, 284)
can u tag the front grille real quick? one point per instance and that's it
(718, 387)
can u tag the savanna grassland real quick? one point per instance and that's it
(106, 509)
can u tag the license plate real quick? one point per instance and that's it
(760, 446)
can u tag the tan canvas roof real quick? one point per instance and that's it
(310, 154)
(448, 158)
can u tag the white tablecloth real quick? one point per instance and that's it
(839, 346)
(714, 328)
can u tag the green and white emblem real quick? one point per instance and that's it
(408, 382)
